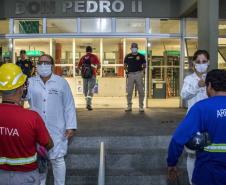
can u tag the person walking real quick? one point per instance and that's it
(51, 96)
(88, 65)
(134, 65)
(194, 90)
(21, 130)
(206, 116)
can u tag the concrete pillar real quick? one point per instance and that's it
(208, 15)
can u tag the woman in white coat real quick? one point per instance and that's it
(50, 95)
(194, 90)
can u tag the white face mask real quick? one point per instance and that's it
(44, 70)
(201, 68)
(134, 50)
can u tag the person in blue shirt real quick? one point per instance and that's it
(208, 116)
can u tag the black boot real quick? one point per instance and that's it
(89, 107)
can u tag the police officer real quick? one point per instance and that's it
(25, 64)
(134, 65)
(20, 131)
(51, 96)
(194, 90)
(206, 116)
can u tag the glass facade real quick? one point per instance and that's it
(164, 26)
(66, 40)
(96, 25)
(130, 25)
(4, 26)
(61, 26)
(28, 26)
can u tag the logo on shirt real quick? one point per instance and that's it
(138, 58)
(4, 131)
(221, 113)
(26, 65)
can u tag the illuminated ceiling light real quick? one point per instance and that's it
(149, 44)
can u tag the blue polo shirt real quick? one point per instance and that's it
(208, 115)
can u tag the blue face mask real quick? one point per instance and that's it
(134, 50)
(44, 70)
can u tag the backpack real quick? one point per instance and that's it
(86, 71)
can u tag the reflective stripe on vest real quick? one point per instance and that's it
(18, 161)
(215, 148)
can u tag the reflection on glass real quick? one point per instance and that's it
(164, 59)
(4, 26)
(113, 71)
(96, 25)
(5, 51)
(222, 53)
(80, 49)
(28, 26)
(112, 56)
(164, 26)
(62, 50)
(35, 47)
(191, 27)
(64, 71)
(61, 25)
(130, 25)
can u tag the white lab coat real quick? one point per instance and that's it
(54, 102)
(191, 92)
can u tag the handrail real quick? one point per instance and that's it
(101, 175)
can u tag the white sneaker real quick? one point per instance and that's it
(141, 109)
(128, 109)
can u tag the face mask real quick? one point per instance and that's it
(44, 70)
(201, 68)
(134, 50)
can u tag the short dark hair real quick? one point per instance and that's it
(89, 49)
(22, 51)
(201, 52)
(49, 56)
(217, 79)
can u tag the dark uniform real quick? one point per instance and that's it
(26, 66)
(135, 64)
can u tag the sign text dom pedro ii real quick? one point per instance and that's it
(54, 8)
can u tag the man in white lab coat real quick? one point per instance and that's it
(50, 95)
(194, 90)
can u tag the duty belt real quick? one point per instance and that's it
(18, 161)
(218, 148)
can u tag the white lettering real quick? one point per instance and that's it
(1, 128)
(4, 131)
(15, 133)
(92, 6)
(221, 113)
(105, 5)
(120, 5)
(80, 6)
(67, 5)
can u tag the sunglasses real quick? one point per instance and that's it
(44, 62)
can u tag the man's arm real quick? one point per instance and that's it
(184, 132)
(69, 112)
(190, 89)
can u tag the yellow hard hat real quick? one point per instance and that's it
(11, 77)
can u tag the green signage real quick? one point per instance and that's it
(28, 27)
(34, 53)
(172, 53)
(6, 54)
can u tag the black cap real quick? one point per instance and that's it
(22, 52)
(134, 45)
(89, 49)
